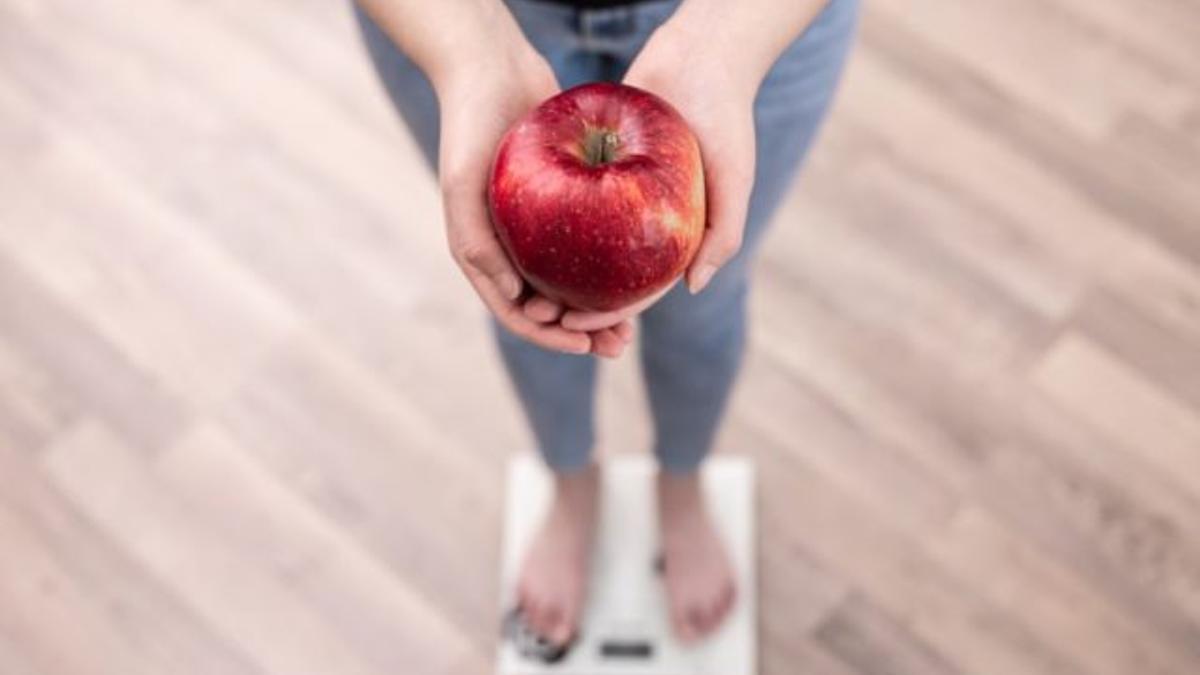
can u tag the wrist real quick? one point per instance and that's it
(498, 50)
(706, 49)
(743, 44)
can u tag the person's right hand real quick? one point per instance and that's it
(480, 98)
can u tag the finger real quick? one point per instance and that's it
(579, 319)
(624, 330)
(489, 259)
(512, 317)
(721, 242)
(473, 240)
(541, 309)
(607, 343)
(575, 319)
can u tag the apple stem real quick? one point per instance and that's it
(608, 147)
(601, 148)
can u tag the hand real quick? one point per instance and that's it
(717, 101)
(716, 97)
(480, 99)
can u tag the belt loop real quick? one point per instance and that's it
(577, 22)
(604, 28)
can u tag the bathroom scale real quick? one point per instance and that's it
(626, 628)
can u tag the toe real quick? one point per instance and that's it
(560, 633)
(700, 620)
(682, 625)
(714, 613)
(564, 630)
(718, 608)
(552, 617)
(729, 599)
(524, 602)
(535, 617)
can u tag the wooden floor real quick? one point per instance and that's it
(251, 421)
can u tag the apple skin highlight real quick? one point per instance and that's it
(598, 196)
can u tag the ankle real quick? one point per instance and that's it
(677, 487)
(577, 486)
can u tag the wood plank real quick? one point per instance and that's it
(1159, 282)
(881, 561)
(1044, 59)
(1015, 575)
(856, 181)
(379, 614)
(1113, 398)
(1159, 34)
(165, 297)
(1121, 527)
(864, 636)
(197, 557)
(1124, 187)
(13, 657)
(1164, 355)
(32, 409)
(76, 602)
(336, 434)
(834, 441)
(85, 370)
(804, 655)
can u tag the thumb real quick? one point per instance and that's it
(719, 245)
(730, 176)
(485, 256)
(473, 242)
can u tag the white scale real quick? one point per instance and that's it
(626, 629)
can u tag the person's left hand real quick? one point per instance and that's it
(716, 98)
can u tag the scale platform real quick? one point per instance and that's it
(626, 629)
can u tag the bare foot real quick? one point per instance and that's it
(699, 576)
(553, 581)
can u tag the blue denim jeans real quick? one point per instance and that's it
(691, 346)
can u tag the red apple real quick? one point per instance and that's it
(597, 195)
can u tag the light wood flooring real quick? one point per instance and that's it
(251, 421)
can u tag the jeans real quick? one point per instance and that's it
(691, 346)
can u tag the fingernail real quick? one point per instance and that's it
(700, 280)
(510, 285)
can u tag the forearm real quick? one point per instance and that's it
(448, 37)
(748, 35)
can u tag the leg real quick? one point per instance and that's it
(555, 390)
(683, 331)
(692, 346)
